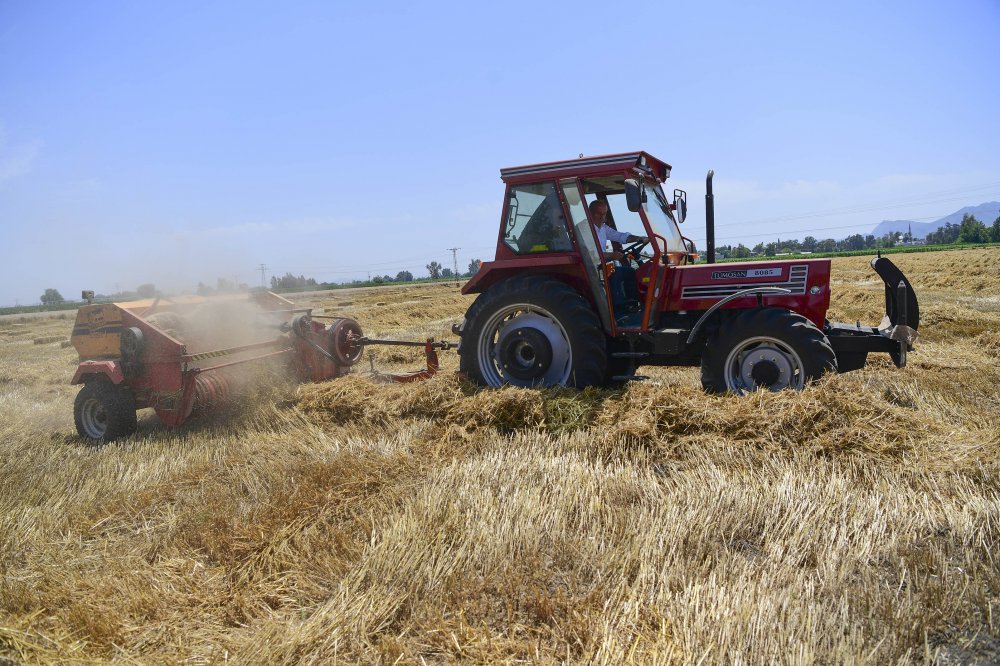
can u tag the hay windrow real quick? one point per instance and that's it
(827, 419)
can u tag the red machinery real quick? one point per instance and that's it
(183, 356)
(551, 310)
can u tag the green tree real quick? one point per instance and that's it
(995, 231)
(476, 264)
(404, 276)
(434, 269)
(971, 230)
(51, 297)
(854, 242)
(944, 235)
(147, 290)
(809, 244)
(741, 251)
(446, 272)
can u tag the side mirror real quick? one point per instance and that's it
(680, 205)
(635, 195)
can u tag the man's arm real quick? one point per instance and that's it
(621, 237)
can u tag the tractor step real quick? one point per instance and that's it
(629, 354)
(629, 378)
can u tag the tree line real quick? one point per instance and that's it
(969, 230)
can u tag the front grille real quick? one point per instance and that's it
(796, 284)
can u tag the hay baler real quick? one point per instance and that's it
(184, 356)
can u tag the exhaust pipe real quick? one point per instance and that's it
(709, 218)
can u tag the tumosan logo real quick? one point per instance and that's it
(748, 273)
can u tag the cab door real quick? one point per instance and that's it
(587, 244)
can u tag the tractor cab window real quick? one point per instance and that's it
(535, 221)
(621, 218)
(662, 219)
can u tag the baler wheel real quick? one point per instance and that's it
(767, 348)
(532, 331)
(105, 411)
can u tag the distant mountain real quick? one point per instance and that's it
(985, 213)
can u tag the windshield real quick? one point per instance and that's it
(661, 218)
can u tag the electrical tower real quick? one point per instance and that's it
(262, 269)
(454, 261)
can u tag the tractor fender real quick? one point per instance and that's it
(760, 292)
(567, 268)
(503, 273)
(112, 370)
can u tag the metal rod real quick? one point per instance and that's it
(443, 344)
(245, 360)
(232, 350)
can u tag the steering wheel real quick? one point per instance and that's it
(633, 249)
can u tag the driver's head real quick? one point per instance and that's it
(599, 211)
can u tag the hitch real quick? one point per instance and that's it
(430, 352)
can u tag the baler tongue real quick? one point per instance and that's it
(430, 353)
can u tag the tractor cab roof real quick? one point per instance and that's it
(589, 166)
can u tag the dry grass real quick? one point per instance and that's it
(350, 521)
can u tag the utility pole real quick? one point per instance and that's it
(262, 269)
(454, 261)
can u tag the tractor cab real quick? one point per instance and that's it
(548, 224)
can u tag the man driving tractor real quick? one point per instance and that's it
(624, 294)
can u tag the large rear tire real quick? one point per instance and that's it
(105, 411)
(770, 349)
(533, 331)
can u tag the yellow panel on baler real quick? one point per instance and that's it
(97, 332)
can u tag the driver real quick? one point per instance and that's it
(624, 294)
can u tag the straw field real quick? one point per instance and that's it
(855, 522)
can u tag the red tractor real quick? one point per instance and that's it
(550, 311)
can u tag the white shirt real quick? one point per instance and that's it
(606, 233)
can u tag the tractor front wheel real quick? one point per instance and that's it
(768, 348)
(105, 411)
(532, 331)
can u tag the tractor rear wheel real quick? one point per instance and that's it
(767, 348)
(532, 331)
(105, 411)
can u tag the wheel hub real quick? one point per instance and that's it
(95, 418)
(527, 348)
(766, 367)
(765, 373)
(525, 353)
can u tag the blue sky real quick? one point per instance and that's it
(179, 142)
